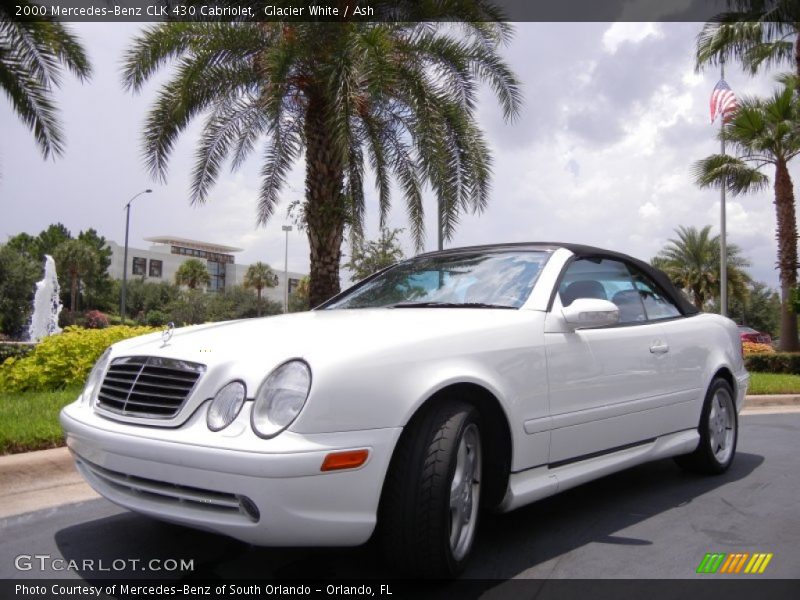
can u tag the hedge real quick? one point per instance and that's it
(15, 350)
(62, 360)
(779, 362)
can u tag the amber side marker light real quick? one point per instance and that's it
(349, 459)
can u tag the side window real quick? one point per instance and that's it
(656, 303)
(607, 280)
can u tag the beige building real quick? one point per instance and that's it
(167, 253)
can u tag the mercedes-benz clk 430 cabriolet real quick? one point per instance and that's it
(484, 377)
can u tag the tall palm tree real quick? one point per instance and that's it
(756, 33)
(399, 96)
(192, 273)
(33, 54)
(764, 132)
(692, 261)
(78, 260)
(259, 276)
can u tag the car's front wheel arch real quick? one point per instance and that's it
(498, 449)
(450, 416)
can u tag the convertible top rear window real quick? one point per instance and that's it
(462, 280)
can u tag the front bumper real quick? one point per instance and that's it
(265, 492)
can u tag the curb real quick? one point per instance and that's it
(772, 400)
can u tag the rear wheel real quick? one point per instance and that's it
(719, 432)
(429, 508)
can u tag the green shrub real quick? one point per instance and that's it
(779, 362)
(15, 350)
(156, 318)
(62, 360)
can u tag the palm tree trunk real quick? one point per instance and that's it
(258, 308)
(797, 64)
(787, 254)
(325, 208)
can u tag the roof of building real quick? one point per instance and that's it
(195, 244)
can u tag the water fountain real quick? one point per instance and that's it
(46, 304)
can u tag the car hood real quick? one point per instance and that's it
(316, 335)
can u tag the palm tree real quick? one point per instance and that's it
(192, 273)
(764, 132)
(399, 96)
(755, 33)
(692, 261)
(78, 260)
(259, 276)
(33, 54)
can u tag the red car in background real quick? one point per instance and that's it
(748, 334)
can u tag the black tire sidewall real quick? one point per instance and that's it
(705, 438)
(470, 415)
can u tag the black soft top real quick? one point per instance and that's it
(582, 251)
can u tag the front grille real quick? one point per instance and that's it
(148, 386)
(168, 493)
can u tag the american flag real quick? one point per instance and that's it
(723, 102)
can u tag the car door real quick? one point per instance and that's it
(688, 355)
(604, 383)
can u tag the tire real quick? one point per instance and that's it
(719, 433)
(429, 506)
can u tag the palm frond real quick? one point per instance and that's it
(721, 170)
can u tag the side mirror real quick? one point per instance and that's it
(590, 312)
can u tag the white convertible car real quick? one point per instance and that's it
(484, 377)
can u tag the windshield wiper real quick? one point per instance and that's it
(448, 305)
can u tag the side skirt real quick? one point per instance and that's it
(540, 482)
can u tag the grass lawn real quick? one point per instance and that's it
(774, 383)
(29, 420)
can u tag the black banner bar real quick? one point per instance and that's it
(712, 588)
(363, 10)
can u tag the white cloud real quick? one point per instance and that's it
(648, 210)
(622, 32)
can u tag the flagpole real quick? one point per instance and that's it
(723, 245)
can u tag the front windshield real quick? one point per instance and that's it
(468, 280)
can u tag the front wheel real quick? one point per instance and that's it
(429, 509)
(719, 432)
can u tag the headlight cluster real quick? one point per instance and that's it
(279, 400)
(95, 378)
(226, 405)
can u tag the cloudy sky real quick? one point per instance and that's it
(614, 116)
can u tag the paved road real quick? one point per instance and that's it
(653, 521)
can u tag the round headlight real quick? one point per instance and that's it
(226, 405)
(281, 398)
(95, 378)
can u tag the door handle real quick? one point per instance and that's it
(659, 348)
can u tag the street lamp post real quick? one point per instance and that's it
(287, 229)
(125, 254)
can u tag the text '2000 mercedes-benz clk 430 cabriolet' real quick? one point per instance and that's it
(468, 379)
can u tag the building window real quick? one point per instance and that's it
(139, 266)
(155, 268)
(217, 272)
(293, 283)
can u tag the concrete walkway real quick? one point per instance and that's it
(47, 478)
